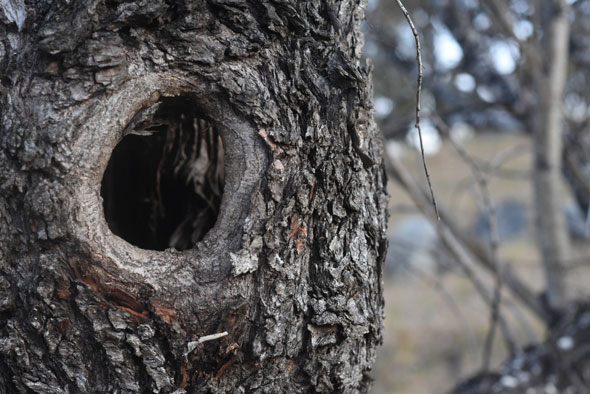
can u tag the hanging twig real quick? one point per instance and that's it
(418, 95)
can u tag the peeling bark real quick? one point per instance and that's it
(292, 267)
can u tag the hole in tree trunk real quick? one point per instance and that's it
(163, 184)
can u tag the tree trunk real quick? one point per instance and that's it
(552, 236)
(172, 170)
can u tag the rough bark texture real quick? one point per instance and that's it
(291, 269)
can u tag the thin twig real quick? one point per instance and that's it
(492, 168)
(497, 298)
(418, 94)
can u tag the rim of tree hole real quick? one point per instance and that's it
(163, 185)
(147, 128)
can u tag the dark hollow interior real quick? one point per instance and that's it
(164, 181)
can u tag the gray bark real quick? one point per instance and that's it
(552, 235)
(292, 267)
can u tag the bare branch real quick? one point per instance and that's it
(482, 180)
(418, 94)
(464, 258)
(459, 244)
(531, 51)
(552, 237)
(501, 14)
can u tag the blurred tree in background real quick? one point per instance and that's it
(512, 66)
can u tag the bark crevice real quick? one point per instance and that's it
(302, 170)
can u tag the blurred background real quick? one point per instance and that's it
(506, 129)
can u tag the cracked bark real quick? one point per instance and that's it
(292, 267)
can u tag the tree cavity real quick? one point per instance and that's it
(163, 184)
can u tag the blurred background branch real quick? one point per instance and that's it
(506, 89)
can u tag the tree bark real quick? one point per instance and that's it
(552, 235)
(291, 268)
